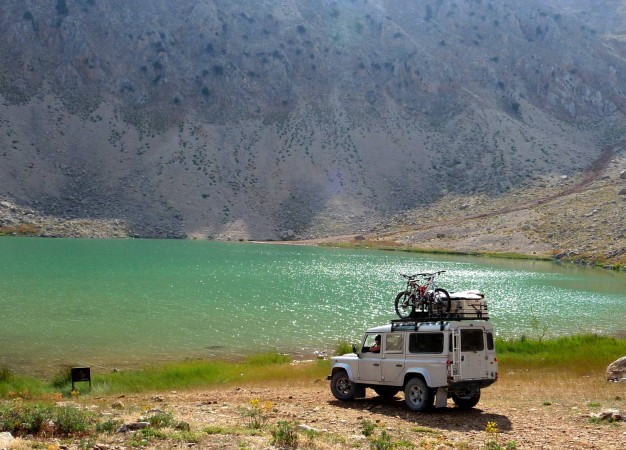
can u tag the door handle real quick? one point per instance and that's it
(376, 364)
(398, 365)
(462, 358)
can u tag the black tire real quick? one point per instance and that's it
(341, 386)
(405, 306)
(386, 391)
(440, 302)
(417, 395)
(466, 402)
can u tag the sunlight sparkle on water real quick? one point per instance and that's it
(110, 302)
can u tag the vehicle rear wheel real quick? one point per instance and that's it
(417, 395)
(341, 386)
(405, 307)
(386, 391)
(468, 402)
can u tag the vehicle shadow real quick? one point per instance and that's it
(449, 418)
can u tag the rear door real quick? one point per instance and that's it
(473, 355)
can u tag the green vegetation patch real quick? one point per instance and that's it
(183, 375)
(579, 354)
(21, 419)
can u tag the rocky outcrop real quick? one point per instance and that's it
(240, 120)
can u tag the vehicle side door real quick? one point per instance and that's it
(369, 361)
(392, 363)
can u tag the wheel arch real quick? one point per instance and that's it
(345, 368)
(423, 374)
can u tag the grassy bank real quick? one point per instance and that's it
(580, 355)
(268, 367)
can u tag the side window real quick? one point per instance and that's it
(394, 343)
(490, 345)
(472, 340)
(426, 343)
(370, 344)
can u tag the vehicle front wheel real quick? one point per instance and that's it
(417, 395)
(341, 386)
(466, 402)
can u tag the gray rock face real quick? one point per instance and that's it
(188, 118)
(617, 370)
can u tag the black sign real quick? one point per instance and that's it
(81, 374)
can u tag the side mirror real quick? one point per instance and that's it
(353, 348)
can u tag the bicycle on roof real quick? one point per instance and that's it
(422, 298)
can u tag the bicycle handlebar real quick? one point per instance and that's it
(425, 274)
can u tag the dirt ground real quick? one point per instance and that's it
(530, 412)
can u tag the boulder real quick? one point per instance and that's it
(617, 370)
(608, 415)
(622, 174)
(5, 439)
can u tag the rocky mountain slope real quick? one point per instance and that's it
(296, 119)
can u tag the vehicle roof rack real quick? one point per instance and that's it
(461, 309)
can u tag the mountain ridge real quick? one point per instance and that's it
(296, 120)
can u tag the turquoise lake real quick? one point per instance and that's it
(128, 303)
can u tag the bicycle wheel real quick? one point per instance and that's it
(405, 306)
(440, 302)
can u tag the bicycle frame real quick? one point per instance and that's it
(422, 298)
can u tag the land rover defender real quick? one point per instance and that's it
(430, 361)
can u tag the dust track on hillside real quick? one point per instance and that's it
(587, 179)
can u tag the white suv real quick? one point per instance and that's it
(428, 360)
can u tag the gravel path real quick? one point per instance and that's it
(532, 413)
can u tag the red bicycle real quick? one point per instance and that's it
(422, 298)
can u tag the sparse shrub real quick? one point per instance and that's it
(142, 437)
(382, 442)
(6, 374)
(285, 435)
(258, 414)
(62, 378)
(343, 347)
(493, 433)
(108, 426)
(21, 419)
(161, 420)
(70, 420)
(367, 427)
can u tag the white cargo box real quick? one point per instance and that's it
(468, 305)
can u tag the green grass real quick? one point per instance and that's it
(184, 375)
(579, 354)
